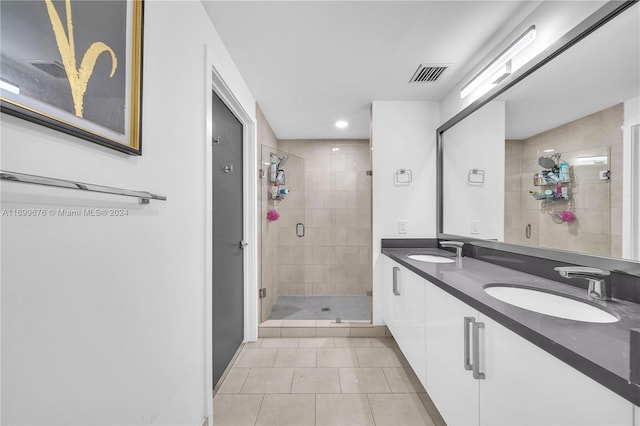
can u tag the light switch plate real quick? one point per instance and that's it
(475, 227)
(402, 226)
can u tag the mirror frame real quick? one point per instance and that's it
(603, 15)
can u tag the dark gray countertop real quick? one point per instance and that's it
(601, 351)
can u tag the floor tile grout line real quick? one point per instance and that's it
(386, 379)
(244, 381)
(371, 409)
(259, 409)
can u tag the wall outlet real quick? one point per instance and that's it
(402, 226)
(475, 227)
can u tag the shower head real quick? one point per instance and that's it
(281, 160)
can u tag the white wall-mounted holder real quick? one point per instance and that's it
(475, 177)
(403, 177)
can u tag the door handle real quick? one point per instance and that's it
(467, 353)
(476, 351)
(300, 230)
(395, 280)
(228, 168)
(243, 244)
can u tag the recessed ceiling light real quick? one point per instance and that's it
(341, 124)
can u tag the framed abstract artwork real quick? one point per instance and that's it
(75, 66)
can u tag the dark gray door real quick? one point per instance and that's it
(228, 276)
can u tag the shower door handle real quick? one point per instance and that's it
(300, 230)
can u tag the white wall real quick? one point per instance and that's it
(552, 19)
(103, 318)
(477, 142)
(403, 136)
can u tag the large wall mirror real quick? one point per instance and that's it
(552, 161)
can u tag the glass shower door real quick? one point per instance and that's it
(282, 198)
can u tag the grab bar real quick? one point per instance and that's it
(143, 196)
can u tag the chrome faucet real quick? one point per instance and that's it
(457, 244)
(598, 288)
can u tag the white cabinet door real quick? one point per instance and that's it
(452, 388)
(409, 318)
(525, 385)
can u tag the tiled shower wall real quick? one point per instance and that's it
(334, 256)
(597, 204)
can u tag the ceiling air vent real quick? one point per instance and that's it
(53, 68)
(428, 73)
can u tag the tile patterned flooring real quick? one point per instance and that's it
(322, 381)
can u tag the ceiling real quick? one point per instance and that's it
(310, 63)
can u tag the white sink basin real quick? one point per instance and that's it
(430, 258)
(550, 304)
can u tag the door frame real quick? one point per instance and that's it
(214, 81)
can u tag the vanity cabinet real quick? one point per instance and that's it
(449, 384)
(527, 386)
(405, 314)
(517, 382)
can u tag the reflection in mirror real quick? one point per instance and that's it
(557, 153)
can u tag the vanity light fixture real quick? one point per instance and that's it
(5, 85)
(502, 60)
(335, 149)
(591, 160)
(341, 124)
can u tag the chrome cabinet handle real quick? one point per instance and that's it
(476, 351)
(395, 280)
(467, 352)
(300, 230)
(228, 169)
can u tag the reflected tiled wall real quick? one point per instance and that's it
(597, 204)
(334, 257)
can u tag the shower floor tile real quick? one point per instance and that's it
(347, 308)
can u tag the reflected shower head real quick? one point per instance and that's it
(548, 162)
(283, 160)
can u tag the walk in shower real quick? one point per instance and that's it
(316, 230)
